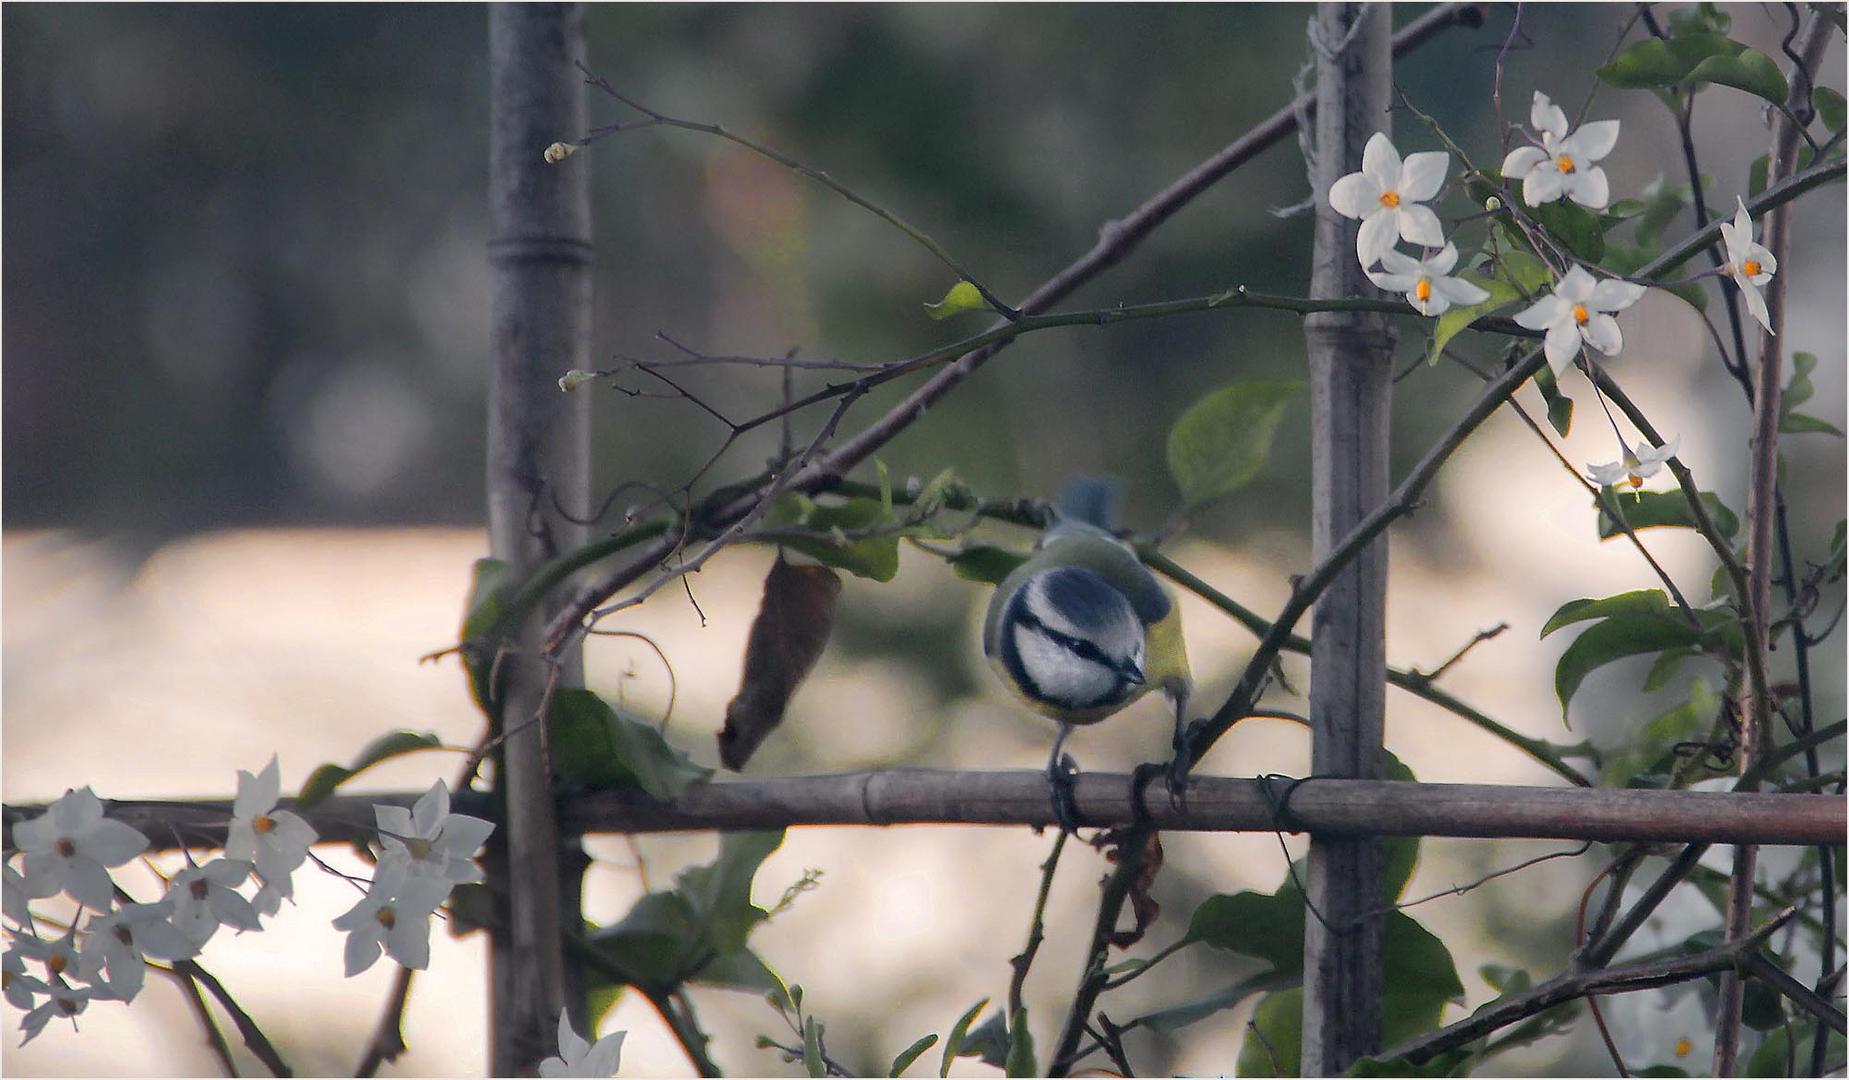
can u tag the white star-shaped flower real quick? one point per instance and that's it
(14, 897)
(276, 841)
(61, 1000)
(394, 917)
(21, 989)
(1578, 311)
(1386, 195)
(1561, 167)
(70, 846)
(60, 957)
(429, 840)
(1634, 466)
(580, 1058)
(115, 945)
(1425, 282)
(1749, 264)
(204, 897)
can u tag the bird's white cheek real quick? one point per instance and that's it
(1061, 677)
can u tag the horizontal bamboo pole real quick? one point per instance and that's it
(935, 797)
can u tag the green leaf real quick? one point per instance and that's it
(1264, 926)
(720, 894)
(1453, 322)
(953, 1045)
(1274, 1039)
(988, 1041)
(598, 747)
(1614, 639)
(1749, 70)
(1787, 1044)
(742, 970)
(885, 485)
(962, 297)
(1522, 269)
(1020, 1047)
(1702, 18)
(1576, 227)
(1759, 1006)
(322, 782)
(911, 1054)
(1665, 667)
(1640, 602)
(986, 563)
(1420, 978)
(1653, 62)
(812, 1048)
(1662, 202)
(1660, 509)
(1506, 980)
(1176, 1017)
(1559, 406)
(1798, 389)
(1653, 746)
(875, 557)
(1803, 424)
(1756, 172)
(486, 597)
(651, 946)
(1224, 439)
(1829, 106)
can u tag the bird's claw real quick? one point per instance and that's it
(1060, 779)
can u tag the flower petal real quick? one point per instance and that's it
(606, 1057)
(1601, 332)
(1542, 186)
(1378, 232)
(1419, 225)
(1354, 196)
(1736, 240)
(571, 1046)
(1440, 264)
(1562, 345)
(1756, 303)
(464, 835)
(1546, 116)
(1381, 161)
(1459, 291)
(1589, 188)
(1576, 286)
(395, 820)
(430, 810)
(1768, 262)
(1539, 315)
(111, 843)
(1423, 174)
(87, 881)
(1400, 263)
(1521, 161)
(39, 834)
(362, 952)
(1607, 474)
(409, 943)
(1615, 295)
(1592, 141)
(1398, 283)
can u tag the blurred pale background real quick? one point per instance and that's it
(244, 342)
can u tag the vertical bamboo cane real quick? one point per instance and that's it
(1350, 362)
(540, 250)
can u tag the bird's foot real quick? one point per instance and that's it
(1060, 776)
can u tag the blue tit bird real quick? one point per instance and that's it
(1082, 628)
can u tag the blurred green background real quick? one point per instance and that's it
(245, 287)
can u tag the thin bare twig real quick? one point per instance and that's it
(254, 1039)
(388, 1038)
(214, 1038)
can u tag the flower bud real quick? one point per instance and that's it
(558, 152)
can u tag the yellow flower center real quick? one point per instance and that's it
(66, 846)
(1635, 481)
(201, 889)
(1580, 314)
(67, 1006)
(1423, 290)
(1389, 198)
(1683, 1046)
(56, 963)
(1564, 163)
(1750, 267)
(264, 824)
(387, 918)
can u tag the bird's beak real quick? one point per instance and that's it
(1132, 673)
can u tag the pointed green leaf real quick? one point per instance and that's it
(1653, 62)
(1264, 926)
(1749, 70)
(720, 893)
(1799, 389)
(953, 1044)
(1640, 602)
(322, 782)
(1666, 666)
(1420, 978)
(1659, 509)
(1614, 639)
(1559, 406)
(911, 1054)
(1020, 1047)
(1274, 1039)
(1798, 423)
(1453, 322)
(1176, 1017)
(962, 297)
(1576, 227)
(486, 596)
(1702, 18)
(1653, 745)
(598, 747)
(1829, 106)
(831, 528)
(1224, 439)
(812, 1048)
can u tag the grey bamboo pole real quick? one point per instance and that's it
(540, 251)
(1350, 356)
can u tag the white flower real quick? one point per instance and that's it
(203, 898)
(1424, 281)
(394, 915)
(1635, 465)
(61, 958)
(67, 848)
(1386, 195)
(117, 942)
(580, 1058)
(429, 840)
(1562, 165)
(65, 1001)
(275, 840)
(20, 988)
(1576, 312)
(1749, 264)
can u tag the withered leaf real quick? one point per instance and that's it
(787, 638)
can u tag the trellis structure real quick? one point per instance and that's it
(542, 256)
